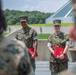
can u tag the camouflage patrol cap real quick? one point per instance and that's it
(57, 22)
(23, 18)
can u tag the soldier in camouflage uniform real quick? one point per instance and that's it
(14, 57)
(29, 37)
(58, 39)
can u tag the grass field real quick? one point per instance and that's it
(5, 33)
(63, 24)
(40, 36)
(43, 36)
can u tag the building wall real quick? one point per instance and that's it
(43, 52)
(44, 29)
(63, 19)
(64, 13)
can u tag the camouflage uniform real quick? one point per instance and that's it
(57, 65)
(14, 58)
(27, 37)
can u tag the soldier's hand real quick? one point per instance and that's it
(61, 56)
(33, 55)
(57, 56)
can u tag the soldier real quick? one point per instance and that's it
(29, 37)
(14, 58)
(58, 64)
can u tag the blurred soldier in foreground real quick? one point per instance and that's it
(73, 27)
(73, 36)
(14, 58)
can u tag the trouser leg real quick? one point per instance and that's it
(32, 63)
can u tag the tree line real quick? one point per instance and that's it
(35, 17)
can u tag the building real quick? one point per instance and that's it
(64, 13)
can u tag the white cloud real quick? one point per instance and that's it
(43, 5)
(30, 5)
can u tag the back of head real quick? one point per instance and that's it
(3, 25)
(14, 58)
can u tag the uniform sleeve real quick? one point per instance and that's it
(67, 42)
(35, 37)
(18, 36)
(50, 39)
(49, 44)
(71, 44)
(67, 39)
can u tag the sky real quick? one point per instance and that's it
(49, 6)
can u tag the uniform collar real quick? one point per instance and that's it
(26, 30)
(57, 34)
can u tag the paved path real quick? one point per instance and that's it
(42, 68)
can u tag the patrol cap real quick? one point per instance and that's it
(23, 18)
(57, 22)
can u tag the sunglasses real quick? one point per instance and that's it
(57, 26)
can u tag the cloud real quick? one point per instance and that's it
(31, 5)
(43, 5)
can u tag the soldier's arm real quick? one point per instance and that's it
(35, 44)
(50, 48)
(35, 41)
(66, 46)
(65, 51)
(49, 45)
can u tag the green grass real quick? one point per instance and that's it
(5, 33)
(40, 36)
(43, 36)
(63, 24)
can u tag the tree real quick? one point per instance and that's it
(35, 17)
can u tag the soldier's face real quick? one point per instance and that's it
(57, 28)
(24, 24)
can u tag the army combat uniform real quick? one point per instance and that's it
(28, 36)
(14, 58)
(58, 65)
